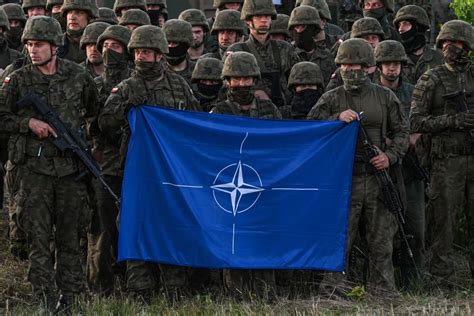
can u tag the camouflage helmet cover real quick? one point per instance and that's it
(305, 73)
(355, 51)
(148, 36)
(207, 69)
(304, 15)
(4, 23)
(367, 26)
(240, 64)
(456, 30)
(51, 3)
(161, 3)
(228, 20)
(258, 7)
(92, 32)
(320, 5)
(14, 11)
(412, 13)
(83, 5)
(280, 25)
(107, 15)
(131, 4)
(116, 32)
(219, 3)
(32, 4)
(389, 51)
(43, 28)
(178, 31)
(195, 17)
(135, 16)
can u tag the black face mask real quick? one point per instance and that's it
(112, 59)
(241, 95)
(3, 41)
(209, 90)
(154, 16)
(14, 34)
(377, 14)
(412, 40)
(177, 54)
(305, 39)
(456, 57)
(303, 101)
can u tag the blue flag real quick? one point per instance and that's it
(219, 191)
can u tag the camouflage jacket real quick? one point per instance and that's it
(415, 68)
(8, 56)
(321, 57)
(70, 92)
(187, 72)
(259, 109)
(90, 68)
(403, 93)
(383, 116)
(71, 50)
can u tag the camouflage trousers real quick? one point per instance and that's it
(52, 206)
(143, 275)
(246, 283)
(451, 190)
(103, 237)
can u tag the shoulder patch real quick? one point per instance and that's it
(114, 90)
(6, 80)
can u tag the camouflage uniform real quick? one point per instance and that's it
(57, 15)
(120, 5)
(242, 64)
(103, 234)
(196, 17)
(280, 27)
(49, 198)
(208, 69)
(332, 32)
(26, 4)
(90, 36)
(13, 35)
(158, 87)
(383, 118)
(7, 55)
(107, 15)
(381, 16)
(441, 106)
(156, 14)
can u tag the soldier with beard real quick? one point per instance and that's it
(158, 12)
(17, 20)
(279, 30)
(304, 24)
(306, 80)
(93, 62)
(134, 18)
(207, 77)
(53, 8)
(78, 14)
(379, 10)
(200, 29)
(443, 103)
(34, 7)
(107, 15)
(103, 235)
(7, 55)
(412, 23)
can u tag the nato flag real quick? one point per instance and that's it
(218, 191)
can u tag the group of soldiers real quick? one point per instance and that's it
(91, 65)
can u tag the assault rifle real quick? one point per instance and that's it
(390, 195)
(66, 139)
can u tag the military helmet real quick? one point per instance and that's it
(305, 72)
(412, 13)
(131, 4)
(456, 30)
(43, 28)
(387, 3)
(228, 20)
(51, 3)
(258, 7)
(14, 12)
(390, 50)
(178, 31)
(33, 4)
(280, 25)
(367, 26)
(195, 17)
(148, 36)
(161, 3)
(320, 5)
(4, 20)
(117, 32)
(92, 33)
(107, 15)
(240, 64)
(207, 69)
(304, 15)
(84, 5)
(219, 3)
(355, 51)
(135, 16)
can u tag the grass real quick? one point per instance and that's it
(15, 298)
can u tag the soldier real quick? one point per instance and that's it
(34, 7)
(279, 29)
(7, 55)
(107, 15)
(442, 106)
(158, 12)
(78, 13)
(121, 6)
(179, 34)
(53, 8)
(240, 72)
(329, 32)
(93, 62)
(103, 234)
(383, 117)
(229, 29)
(275, 58)
(379, 9)
(412, 23)
(221, 5)
(207, 77)
(134, 18)
(50, 200)
(305, 25)
(17, 20)
(307, 82)
(151, 84)
(200, 29)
